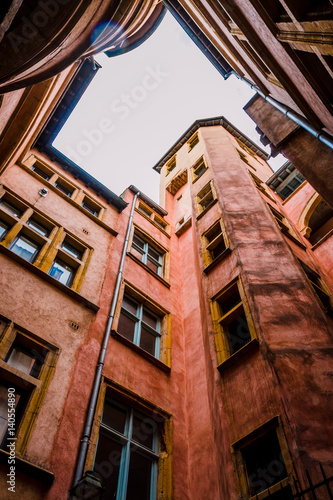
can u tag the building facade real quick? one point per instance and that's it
(206, 320)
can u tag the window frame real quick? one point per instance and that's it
(242, 480)
(171, 165)
(319, 288)
(193, 141)
(200, 211)
(199, 163)
(164, 486)
(208, 246)
(149, 214)
(32, 386)
(157, 247)
(224, 354)
(139, 323)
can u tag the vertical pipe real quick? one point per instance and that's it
(100, 364)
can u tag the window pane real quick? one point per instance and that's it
(21, 360)
(71, 250)
(239, 333)
(139, 476)
(143, 431)
(147, 341)
(40, 172)
(152, 253)
(229, 299)
(38, 227)
(138, 242)
(62, 272)
(219, 249)
(107, 464)
(136, 253)
(89, 208)
(25, 248)
(126, 326)
(10, 208)
(114, 417)
(129, 304)
(153, 266)
(3, 229)
(149, 318)
(63, 189)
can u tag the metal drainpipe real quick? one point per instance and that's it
(100, 364)
(295, 117)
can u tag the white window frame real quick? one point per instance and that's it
(145, 255)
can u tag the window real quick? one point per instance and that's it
(261, 463)
(39, 227)
(10, 207)
(69, 261)
(147, 254)
(283, 224)
(320, 222)
(42, 172)
(64, 188)
(214, 242)
(261, 186)
(156, 219)
(62, 272)
(291, 185)
(25, 247)
(199, 169)
(128, 440)
(319, 287)
(140, 325)
(232, 321)
(91, 207)
(4, 227)
(171, 165)
(193, 142)
(27, 367)
(205, 199)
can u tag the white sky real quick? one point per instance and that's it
(142, 102)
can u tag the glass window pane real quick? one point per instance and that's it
(21, 360)
(129, 304)
(71, 250)
(136, 253)
(107, 464)
(126, 327)
(3, 229)
(40, 172)
(38, 227)
(153, 266)
(239, 333)
(114, 417)
(154, 254)
(25, 248)
(10, 208)
(139, 477)
(63, 189)
(89, 208)
(62, 272)
(149, 318)
(138, 241)
(143, 430)
(147, 341)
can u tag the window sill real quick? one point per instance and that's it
(28, 468)
(68, 291)
(218, 259)
(235, 358)
(153, 223)
(146, 268)
(141, 351)
(206, 209)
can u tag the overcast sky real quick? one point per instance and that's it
(140, 103)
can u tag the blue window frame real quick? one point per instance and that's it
(140, 325)
(127, 453)
(149, 256)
